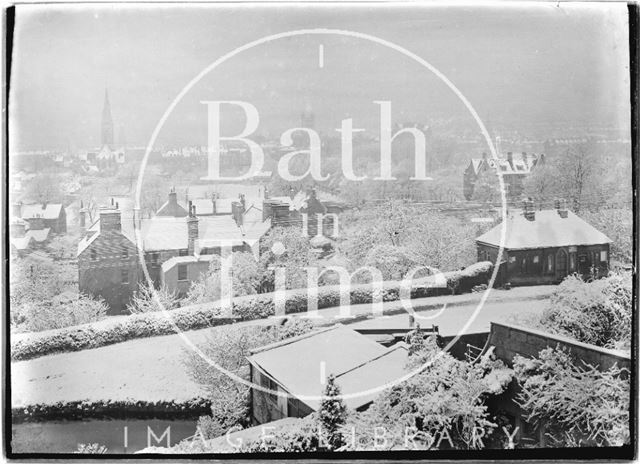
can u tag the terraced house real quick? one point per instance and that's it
(174, 247)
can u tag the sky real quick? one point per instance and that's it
(521, 66)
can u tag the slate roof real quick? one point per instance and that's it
(358, 362)
(546, 231)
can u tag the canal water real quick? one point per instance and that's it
(118, 435)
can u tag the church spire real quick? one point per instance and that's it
(107, 122)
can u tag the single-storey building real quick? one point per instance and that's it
(543, 247)
(294, 371)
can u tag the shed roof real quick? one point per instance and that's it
(358, 363)
(548, 230)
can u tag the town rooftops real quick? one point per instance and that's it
(547, 230)
(299, 364)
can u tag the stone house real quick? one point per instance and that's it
(108, 265)
(543, 247)
(163, 238)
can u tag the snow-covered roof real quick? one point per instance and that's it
(547, 230)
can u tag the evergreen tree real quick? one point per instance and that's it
(333, 414)
(415, 340)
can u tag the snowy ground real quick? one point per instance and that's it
(151, 369)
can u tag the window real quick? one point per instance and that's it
(154, 258)
(572, 262)
(182, 272)
(523, 265)
(536, 259)
(183, 252)
(549, 263)
(603, 256)
(125, 254)
(94, 255)
(124, 276)
(512, 259)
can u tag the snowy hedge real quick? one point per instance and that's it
(77, 410)
(244, 308)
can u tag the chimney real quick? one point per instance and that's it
(17, 209)
(110, 220)
(83, 218)
(236, 212)
(561, 207)
(510, 159)
(173, 196)
(529, 210)
(192, 229)
(243, 202)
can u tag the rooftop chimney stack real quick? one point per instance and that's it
(561, 206)
(110, 220)
(529, 210)
(192, 229)
(83, 217)
(173, 196)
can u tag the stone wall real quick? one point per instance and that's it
(510, 340)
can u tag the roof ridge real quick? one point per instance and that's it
(288, 341)
(389, 350)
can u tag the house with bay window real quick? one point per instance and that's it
(543, 247)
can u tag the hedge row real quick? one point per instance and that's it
(77, 410)
(243, 309)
